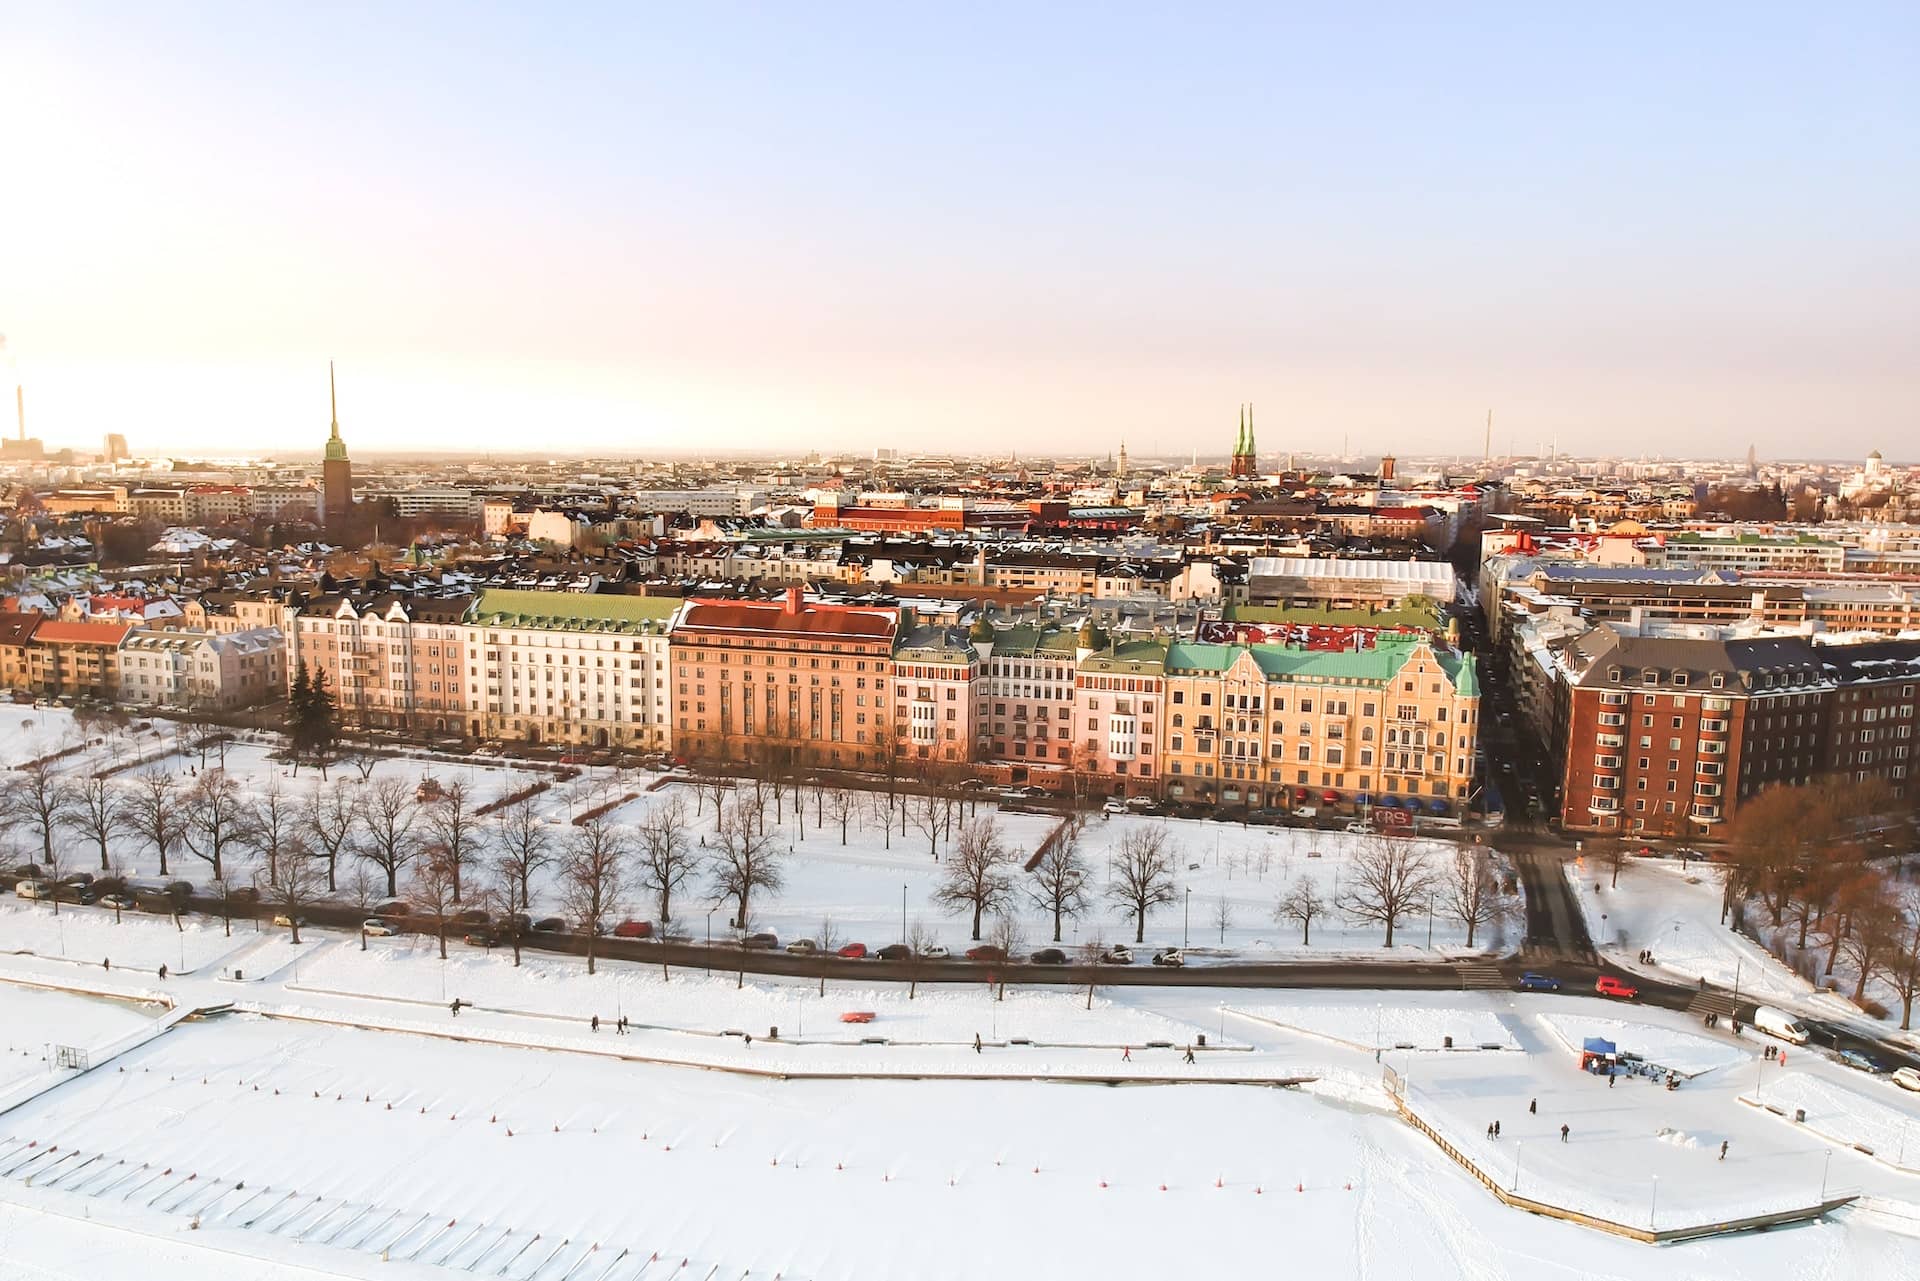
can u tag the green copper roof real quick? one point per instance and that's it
(573, 611)
(1280, 662)
(1466, 682)
(1133, 658)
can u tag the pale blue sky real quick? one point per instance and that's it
(598, 226)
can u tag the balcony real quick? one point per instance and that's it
(1713, 724)
(1610, 740)
(1613, 720)
(1606, 762)
(1704, 814)
(1603, 805)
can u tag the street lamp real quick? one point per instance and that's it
(1517, 1148)
(1186, 917)
(1653, 1202)
(1824, 1168)
(903, 913)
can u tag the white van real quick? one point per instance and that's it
(1781, 1024)
(1906, 1078)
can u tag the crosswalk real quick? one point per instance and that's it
(1714, 1001)
(1483, 978)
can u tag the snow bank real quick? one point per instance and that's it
(1386, 1026)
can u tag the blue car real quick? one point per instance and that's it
(1532, 982)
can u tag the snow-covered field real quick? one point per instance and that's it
(31, 1019)
(1386, 1024)
(877, 883)
(1864, 1113)
(1687, 1053)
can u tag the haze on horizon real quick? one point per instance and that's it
(1643, 230)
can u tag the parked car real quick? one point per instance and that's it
(1860, 1061)
(935, 953)
(1049, 956)
(479, 938)
(803, 947)
(550, 925)
(77, 878)
(853, 952)
(1607, 985)
(1113, 807)
(760, 941)
(1305, 811)
(1172, 956)
(1119, 954)
(1532, 982)
(285, 921)
(118, 902)
(986, 952)
(1776, 1022)
(33, 889)
(1907, 1078)
(633, 930)
(1142, 804)
(895, 952)
(68, 892)
(378, 928)
(1358, 828)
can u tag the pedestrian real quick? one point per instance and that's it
(106, 963)
(454, 1005)
(1563, 1134)
(1533, 1107)
(596, 1022)
(749, 1037)
(1126, 1054)
(1723, 1149)
(1496, 1129)
(1489, 1129)
(1189, 1054)
(163, 972)
(976, 1043)
(1609, 1078)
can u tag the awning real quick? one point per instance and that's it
(1330, 797)
(1437, 805)
(1597, 1045)
(1390, 802)
(1363, 799)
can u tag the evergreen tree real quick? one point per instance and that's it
(299, 703)
(323, 717)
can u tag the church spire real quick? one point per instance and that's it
(333, 402)
(1250, 449)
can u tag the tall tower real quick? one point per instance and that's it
(336, 470)
(1120, 468)
(1243, 452)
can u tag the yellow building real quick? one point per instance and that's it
(1273, 726)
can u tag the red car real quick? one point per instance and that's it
(633, 930)
(1611, 986)
(986, 952)
(853, 952)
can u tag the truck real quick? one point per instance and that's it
(1781, 1024)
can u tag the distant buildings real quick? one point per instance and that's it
(336, 470)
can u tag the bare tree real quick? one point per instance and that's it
(1006, 934)
(880, 808)
(1302, 903)
(667, 860)
(513, 907)
(216, 820)
(363, 892)
(1873, 935)
(431, 895)
(829, 937)
(292, 883)
(1059, 885)
(841, 806)
(154, 811)
(523, 843)
(928, 814)
(1223, 917)
(1612, 851)
(592, 879)
(328, 816)
(455, 830)
(388, 815)
(1471, 893)
(1387, 879)
(360, 756)
(716, 786)
(36, 800)
(745, 859)
(976, 878)
(1900, 965)
(95, 812)
(274, 828)
(1142, 875)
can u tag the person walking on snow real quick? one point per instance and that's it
(1189, 1054)
(1496, 1129)
(1563, 1134)
(1533, 1107)
(1723, 1149)
(596, 1022)
(1126, 1054)
(976, 1043)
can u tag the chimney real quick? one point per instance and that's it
(793, 600)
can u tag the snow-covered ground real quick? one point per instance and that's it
(877, 883)
(352, 1140)
(31, 1020)
(1385, 1024)
(1687, 1053)
(1865, 1113)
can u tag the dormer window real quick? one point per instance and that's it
(1717, 680)
(1649, 677)
(1613, 674)
(1679, 678)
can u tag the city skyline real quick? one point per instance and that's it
(1037, 232)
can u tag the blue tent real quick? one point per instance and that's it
(1390, 802)
(1437, 806)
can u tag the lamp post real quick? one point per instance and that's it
(1515, 1185)
(1186, 918)
(1825, 1166)
(1429, 922)
(1653, 1203)
(903, 913)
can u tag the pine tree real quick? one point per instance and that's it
(299, 709)
(323, 719)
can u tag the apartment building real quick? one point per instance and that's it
(1025, 696)
(1272, 725)
(75, 660)
(796, 680)
(1119, 713)
(393, 660)
(935, 670)
(202, 671)
(569, 667)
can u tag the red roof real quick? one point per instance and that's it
(17, 629)
(82, 633)
(865, 623)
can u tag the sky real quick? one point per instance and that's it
(1643, 229)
